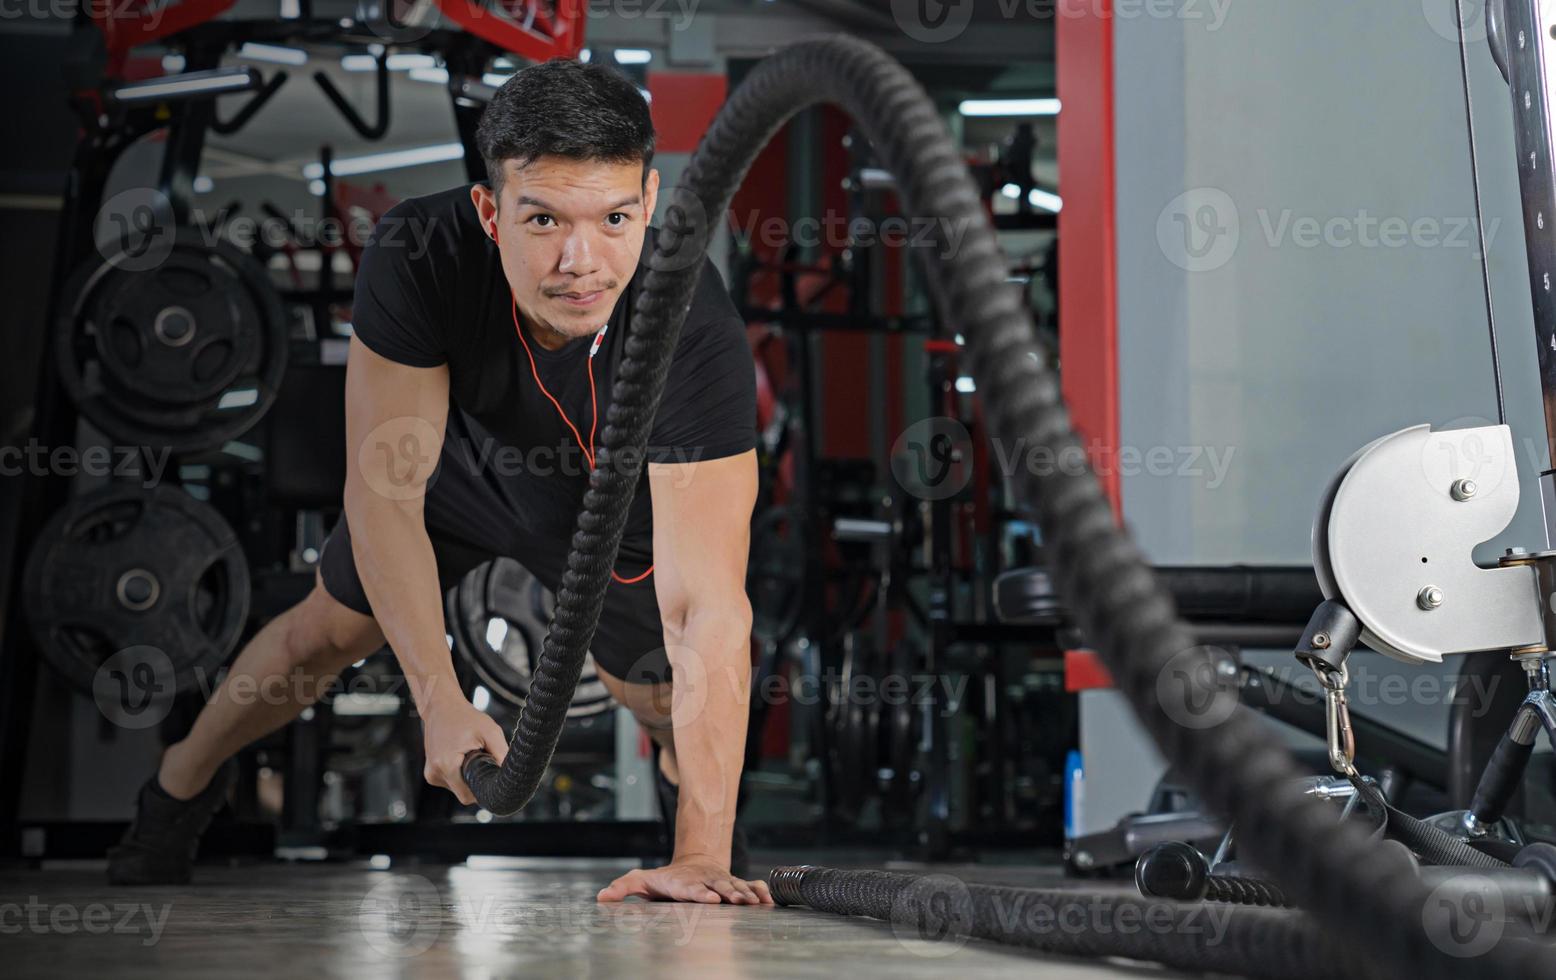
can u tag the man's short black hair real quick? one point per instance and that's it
(566, 109)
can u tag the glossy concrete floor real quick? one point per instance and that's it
(536, 920)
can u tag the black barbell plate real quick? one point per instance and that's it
(503, 589)
(94, 559)
(140, 402)
(178, 334)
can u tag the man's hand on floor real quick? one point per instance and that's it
(690, 880)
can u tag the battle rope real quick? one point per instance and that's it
(1185, 936)
(1368, 898)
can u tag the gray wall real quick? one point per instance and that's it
(1287, 356)
(1254, 342)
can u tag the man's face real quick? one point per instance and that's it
(570, 233)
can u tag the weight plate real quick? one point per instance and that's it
(367, 715)
(775, 575)
(499, 616)
(187, 354)
(900, 730)
(127, 567)
(854, 712)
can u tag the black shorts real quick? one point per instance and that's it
(470, 520)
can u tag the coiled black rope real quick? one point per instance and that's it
(1367, 897)
(1244, 891)
(1186, 936)
(1177, 870)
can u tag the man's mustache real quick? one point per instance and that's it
(577, 291)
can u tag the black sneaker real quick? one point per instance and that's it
(159, 847)
(669, 799)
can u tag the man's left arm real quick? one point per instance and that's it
(702, 529)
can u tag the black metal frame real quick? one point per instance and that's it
(947, 622)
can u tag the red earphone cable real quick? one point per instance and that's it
(587, 450)
(594, 408)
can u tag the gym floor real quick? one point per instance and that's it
(534, 918)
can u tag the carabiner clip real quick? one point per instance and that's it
(1337, 721)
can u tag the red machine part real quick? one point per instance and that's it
(1084, 672)
(535, 29)
(532, 29)
(128, 24)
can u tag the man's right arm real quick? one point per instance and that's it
(395, 418)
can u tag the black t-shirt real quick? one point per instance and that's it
(431, 291)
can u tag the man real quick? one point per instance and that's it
(488, 326)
